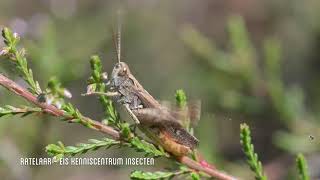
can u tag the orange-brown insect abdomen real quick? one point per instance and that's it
(170, 145)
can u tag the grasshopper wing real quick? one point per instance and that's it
(156, 116)
(190, 114)
(161, 117)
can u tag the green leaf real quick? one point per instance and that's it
(161, 174)
(140, 145)
(96, 66)
(60, 150)
(9, 38)
(143, 146)
(125, 130)
(181, 98)
(54, 150)
(302, 167)
(151, 175)
(195, 176)
(23, 111)
(248, 149)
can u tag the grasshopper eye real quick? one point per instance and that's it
(123, 71)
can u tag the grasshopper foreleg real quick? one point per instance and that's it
(132, 115)
(109, 94)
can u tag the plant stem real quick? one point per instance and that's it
(302, 167)
(210, 171)
(50, 109)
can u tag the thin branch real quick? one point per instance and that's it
(50, 109)
(212, 172)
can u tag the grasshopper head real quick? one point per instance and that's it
(121, 69)
(120, 73)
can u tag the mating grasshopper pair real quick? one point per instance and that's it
(159, 123)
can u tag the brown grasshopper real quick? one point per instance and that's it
(158, 122)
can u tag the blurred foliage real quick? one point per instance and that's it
(264, 83)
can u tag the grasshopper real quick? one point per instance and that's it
(158, 122)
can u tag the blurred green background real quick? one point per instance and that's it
(248, 61)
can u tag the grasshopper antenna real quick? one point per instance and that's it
(117, 36)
